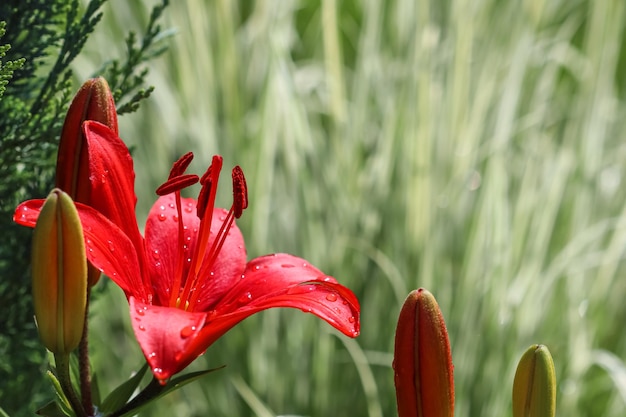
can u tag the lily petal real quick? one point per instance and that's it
(112, 178)
(278, 280)
(107, 247)
(163, 247)
(164, 347)
(283, 280)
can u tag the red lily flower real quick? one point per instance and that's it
(188, 282)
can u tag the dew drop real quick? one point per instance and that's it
(152, 355)
(242, 276)
(287, 266)
(257, 267)
(162, 208)
(352, 319)
(175, 217)
(141, 311)
(188, 209)
(247, 297)
(331, 297)
(111, 246)
(172, 205)
(155, 254)
(142, 327)
(187, 331)
(162, 217)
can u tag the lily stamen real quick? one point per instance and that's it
(203, 268)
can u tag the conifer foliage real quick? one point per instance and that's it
(39, 40)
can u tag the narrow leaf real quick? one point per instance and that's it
(120, 395)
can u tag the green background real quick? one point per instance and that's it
(474, 148)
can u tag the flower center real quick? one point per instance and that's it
(184, 294)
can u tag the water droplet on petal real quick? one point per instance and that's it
(257, 267)
(187, 331)
(287, 266)
(141, 311)
(246, 298)
(172, 205)
(331, 297)
(162, 217)
(352, 319)
(152, 355)
(142, 327)
(155, 254)
(111, 247)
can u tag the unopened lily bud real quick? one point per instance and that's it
(59, 269)
(93, 101)
(422, 359)
(534, 387)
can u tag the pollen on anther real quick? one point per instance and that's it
(177, 183)
(240, 192)
(179, 167)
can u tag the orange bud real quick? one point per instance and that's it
(59, 274)
(422, 359)
(93, 101)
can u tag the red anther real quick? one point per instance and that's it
(203, 200)
(240, 192)
(180, 166)
(213, 172)
(177, 183)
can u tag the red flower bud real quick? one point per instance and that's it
(93, 101)
(422, 359)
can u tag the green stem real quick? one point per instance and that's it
(63, 372)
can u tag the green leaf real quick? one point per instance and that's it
(120, 395)
(3, 413)
(52, 409)
(155, 390)
(62, 401)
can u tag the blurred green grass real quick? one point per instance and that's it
(473, 148)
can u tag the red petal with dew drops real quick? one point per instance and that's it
(112, 179)
(163, 251)
(164, 334)
(107, 247)
(281, 280)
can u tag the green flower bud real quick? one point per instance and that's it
(534, 387)
(59, 273)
